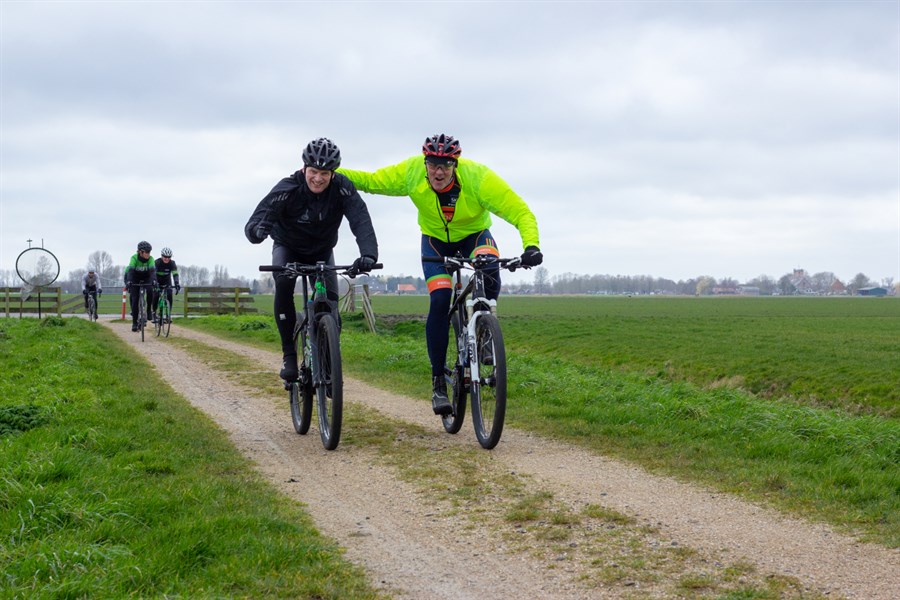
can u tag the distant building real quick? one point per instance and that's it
(838, 288)
(749, 290)
(406, 288)
(873, 291)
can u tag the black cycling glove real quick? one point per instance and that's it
(363, 264)
(532, 256)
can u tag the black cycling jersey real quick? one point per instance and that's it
(308, 223)
(166, 274)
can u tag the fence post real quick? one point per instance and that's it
(185, 300)
(237, 302)
(124, 300)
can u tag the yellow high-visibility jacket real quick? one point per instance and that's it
(482, 192)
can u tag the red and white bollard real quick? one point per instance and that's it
(124, 300)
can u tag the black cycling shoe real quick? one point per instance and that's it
(289, 370)
(134, 327)
(440, 403)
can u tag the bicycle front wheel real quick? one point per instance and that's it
(157, 322)
(489, 389)
(92, 308)
(455, 372)
(142, 314)
(328, 381)
(165, 317)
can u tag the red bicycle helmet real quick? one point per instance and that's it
(442, 146)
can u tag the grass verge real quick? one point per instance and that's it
(113, 486)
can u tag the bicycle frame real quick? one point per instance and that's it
(478, 371)
(92, 305)
(320, 371)
(143, 305)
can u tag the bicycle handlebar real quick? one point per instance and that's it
(302, 269)
(479, 261)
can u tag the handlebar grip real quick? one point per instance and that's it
(434, 259)
(378, 266)
(271, 268)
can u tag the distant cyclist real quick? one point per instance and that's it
(90, 284)
(140, 269)
(166, 277)
(455, 198)
(303, 214)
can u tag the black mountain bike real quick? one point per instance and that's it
(476, 356)
(142, 305)
(320, 370)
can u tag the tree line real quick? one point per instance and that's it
(795, 282)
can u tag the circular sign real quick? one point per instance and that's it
(37, 267)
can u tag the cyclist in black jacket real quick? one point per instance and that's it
(166, 277)
(303, 214)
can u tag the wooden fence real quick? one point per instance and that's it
(217, 301)
(48, 302)
(358, 296)
(195, 301)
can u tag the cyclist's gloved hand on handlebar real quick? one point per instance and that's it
(363, 264)
(263, 229)
(177, 289)
(532, 256)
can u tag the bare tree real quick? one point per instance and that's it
(541, 280)
(220, 275)
(858, 282)
(705, 285)
(192, 276)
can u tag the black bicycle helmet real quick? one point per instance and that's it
(167, 252)
(442, 146)
(144, 247)
(322, 154)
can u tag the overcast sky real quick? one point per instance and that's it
(671, 139)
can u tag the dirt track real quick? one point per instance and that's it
(405, 545)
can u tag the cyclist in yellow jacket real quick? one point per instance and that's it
(455, 198)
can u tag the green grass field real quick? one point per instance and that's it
(114, 486)
(790, 401)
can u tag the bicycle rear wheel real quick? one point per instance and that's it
(457, 383)
(489, 390)
(328, 380)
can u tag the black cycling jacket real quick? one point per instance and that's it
(308, 223)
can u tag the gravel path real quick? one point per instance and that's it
(411, 552)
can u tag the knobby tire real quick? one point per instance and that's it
(489, 391)
(142, 314)
(301, 393)
(328, 380)
(165, 316)
(456, 380)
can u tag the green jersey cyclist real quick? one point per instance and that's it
(140, 269)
